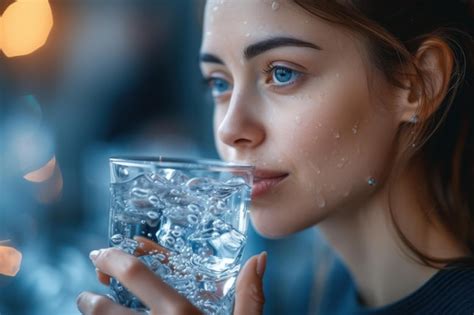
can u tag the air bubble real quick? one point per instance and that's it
(170, 240)
(116, 239)
(275, 5)
(221, 205)
(152, 215)
(193, 208)
(210, 286)
(153, 200)
(122, 171)
(140, 193)
(176, 233)
(192, 219)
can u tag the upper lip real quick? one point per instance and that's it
(261, 174)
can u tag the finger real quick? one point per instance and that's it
(140, 280)
(249, 297)
(147, 247)
(103, 278)
(93, 304)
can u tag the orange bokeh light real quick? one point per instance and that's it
(10, 261)
(42, 174)
(25, 26)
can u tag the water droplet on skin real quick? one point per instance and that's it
(342, 162)
(337, 135)
(320, 201)
(275, 5)
(372, 181)
(315, 167)
(247, 35)
(245, 22)
(320, 125)
(298, 120)
(208, 33)
(355, 129)
(215, 8)
(338, 75)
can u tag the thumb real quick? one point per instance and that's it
(249, 297)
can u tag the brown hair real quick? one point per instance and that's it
(444, 139)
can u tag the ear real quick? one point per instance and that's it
(434, 61)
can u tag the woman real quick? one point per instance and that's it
(357, 115)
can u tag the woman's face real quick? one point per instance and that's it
(292, 96)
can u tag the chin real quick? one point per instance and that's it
(271, 228)
(269, 224)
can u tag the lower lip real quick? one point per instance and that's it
(262, 186)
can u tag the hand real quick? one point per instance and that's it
(159, 297)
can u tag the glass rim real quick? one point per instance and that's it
(178, 162)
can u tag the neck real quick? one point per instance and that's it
(368, 243)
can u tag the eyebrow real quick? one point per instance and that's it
(263, 46)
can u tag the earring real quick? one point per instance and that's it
(414, 119)
(372, 181)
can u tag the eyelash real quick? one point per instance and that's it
(270, 69)
(267, 71)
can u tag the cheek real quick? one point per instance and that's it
(336, 145)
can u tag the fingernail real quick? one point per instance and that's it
(261, 264)
(93, 254)
(79, 298)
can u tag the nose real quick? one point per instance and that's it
(242, 126)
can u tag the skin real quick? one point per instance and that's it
(335, 131)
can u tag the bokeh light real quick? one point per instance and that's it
(10, 261)
(25, 26)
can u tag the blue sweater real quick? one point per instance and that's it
(449, 291)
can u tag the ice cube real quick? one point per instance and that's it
(219, 246)
(173, 232)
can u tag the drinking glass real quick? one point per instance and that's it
(195, 215)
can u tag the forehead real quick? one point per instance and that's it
(234, 23)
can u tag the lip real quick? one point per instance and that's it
(265, 180)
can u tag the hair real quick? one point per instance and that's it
(444, 136)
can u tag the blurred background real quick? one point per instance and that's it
(83, 80)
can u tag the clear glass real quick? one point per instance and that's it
(196, 214)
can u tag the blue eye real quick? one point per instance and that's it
(284, 76)
(218, 86)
